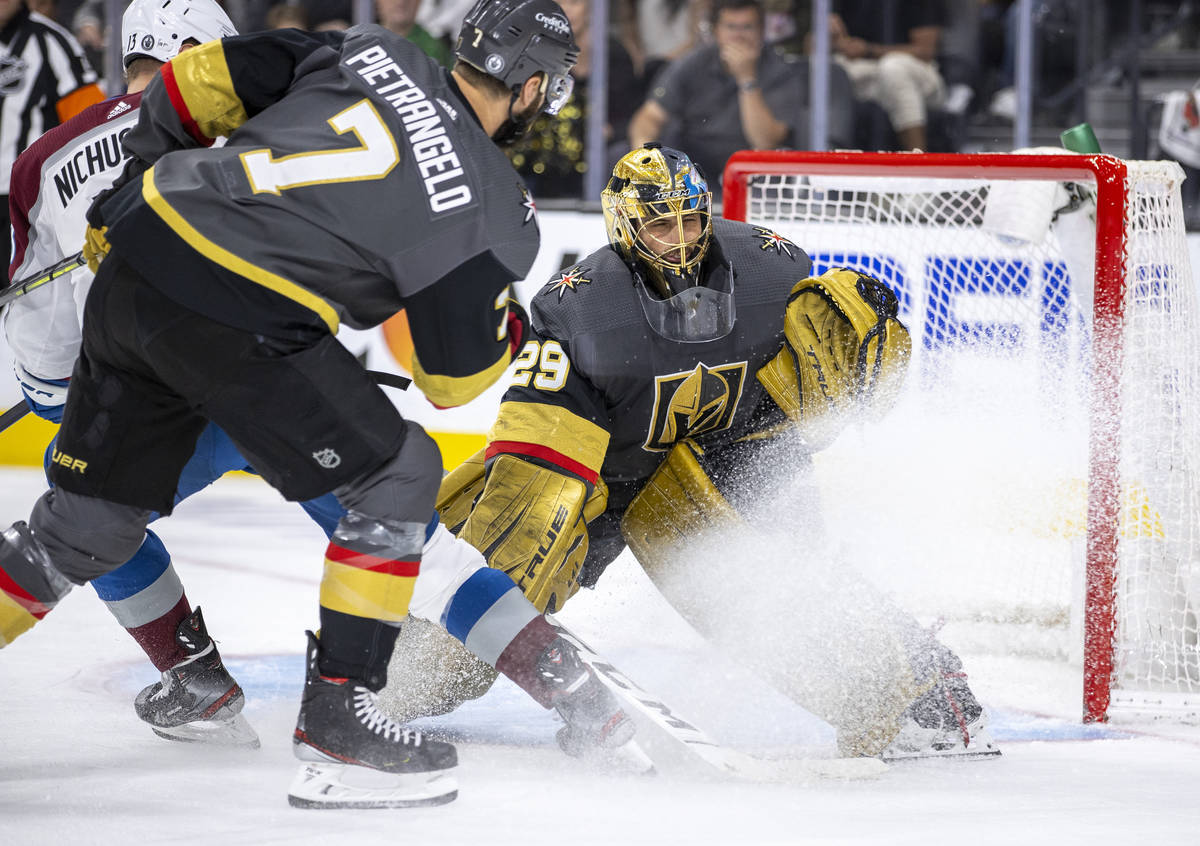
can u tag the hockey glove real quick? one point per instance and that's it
(45, 397)
(95, 247)
(844, 352)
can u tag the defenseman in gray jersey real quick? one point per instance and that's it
(666, 377)
(358, 179)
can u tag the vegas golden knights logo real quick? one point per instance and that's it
(694, 402)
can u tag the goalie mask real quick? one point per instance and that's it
(512, 40)
(657, 211)
(156, 29)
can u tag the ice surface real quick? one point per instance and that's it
(76, 766)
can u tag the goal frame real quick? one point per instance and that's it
(1109, 176)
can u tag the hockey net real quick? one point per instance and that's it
(1039, 475)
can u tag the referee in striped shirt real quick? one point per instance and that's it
(44, 80)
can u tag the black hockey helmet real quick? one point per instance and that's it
(512, 40)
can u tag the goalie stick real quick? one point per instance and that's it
(677, 746)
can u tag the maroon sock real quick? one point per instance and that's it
(157, 638)
(519, 658)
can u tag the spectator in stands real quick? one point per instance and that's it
(400, 16)
(287, 15)
(661, 31)
(730, 95)
(553, 156)
(889, 49)
(442, 18)
(87, 25)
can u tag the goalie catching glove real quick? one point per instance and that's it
(844, 350)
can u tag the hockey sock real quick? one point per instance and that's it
(146, 596)
(356, 648)
(487, 611)
(371, 567)
(519, 661)
(157, 638)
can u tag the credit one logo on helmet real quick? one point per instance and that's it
(555, 23)
(446, 184)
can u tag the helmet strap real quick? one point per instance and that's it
(515, 126)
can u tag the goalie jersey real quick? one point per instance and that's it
(598, 394)
(356, 182)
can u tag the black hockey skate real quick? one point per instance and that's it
(594, 719)
(945, 721)
(356, 756)
(197, 699)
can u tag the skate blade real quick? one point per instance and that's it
(232, 732)
(628, 759)
(982, 746)
(348, 786)
(976, 751)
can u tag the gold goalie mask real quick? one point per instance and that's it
(657, 212)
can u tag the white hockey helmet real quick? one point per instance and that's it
(158, 28)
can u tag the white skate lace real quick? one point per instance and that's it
(366, 708)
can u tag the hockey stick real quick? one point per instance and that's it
(32, 283)
(19, 410)
(13, 415)
(677, 746)
(391, 380)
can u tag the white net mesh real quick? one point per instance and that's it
(976, 485)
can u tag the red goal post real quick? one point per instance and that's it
(887, 204)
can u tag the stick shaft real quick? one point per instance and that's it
(13, 415)
(31, 283)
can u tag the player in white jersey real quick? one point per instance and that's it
(53, 183)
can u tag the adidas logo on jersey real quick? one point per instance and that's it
(119, 109)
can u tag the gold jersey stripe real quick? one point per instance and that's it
(451, 391)
(362, 593)
(203, 79)
(219, 255)
(554, 427)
